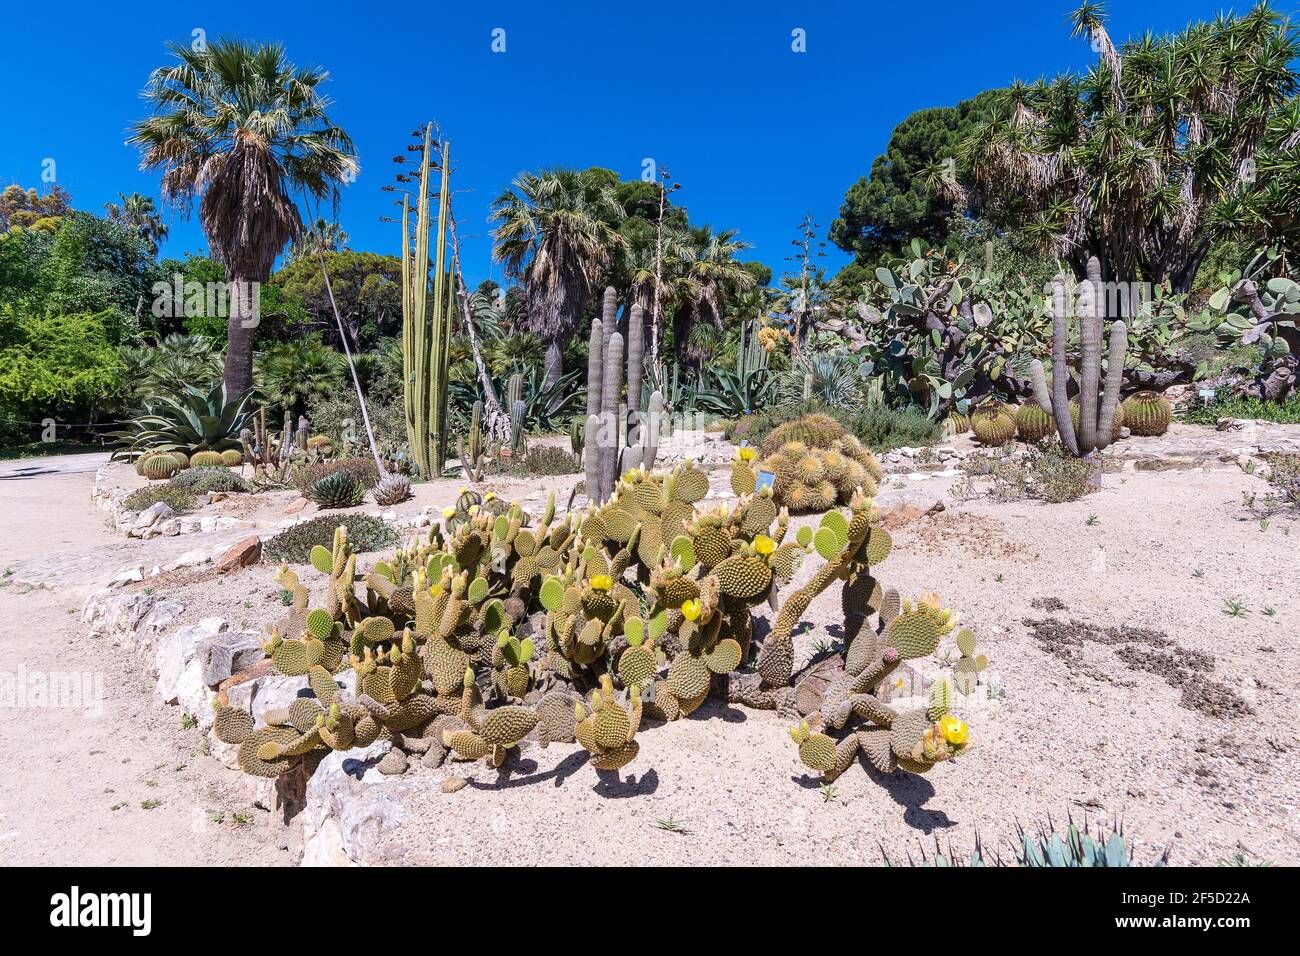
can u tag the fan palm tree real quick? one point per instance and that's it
(713, 276)
(239, 125)
(556, 232)
(139, 214)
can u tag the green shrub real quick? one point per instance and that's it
(883, 429)
(1287, 412)
(1044, 472)
(204, 480)
(364, 534)
(61, 366)
(179, 498)
(550, 460)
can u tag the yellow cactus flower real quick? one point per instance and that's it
(764, 545)
(490, 495)
(448, 511)
(954, 729)
(745, 453)
(691, 610)
(473, 509)
(602, 582)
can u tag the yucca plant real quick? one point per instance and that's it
(188, 420)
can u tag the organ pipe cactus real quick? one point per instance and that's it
(1096, 409)
(426, 327)
(620, 434)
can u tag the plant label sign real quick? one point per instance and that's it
(765, 480)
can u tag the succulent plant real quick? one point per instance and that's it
(993, 424)
(339, 490)
(391, 490)
(1033, 422)
(817, 430)
(207, 459)
(1091, 425)
(498, 623)
(813, 479)
(1147, 413)
(159, 467)
(232, 458)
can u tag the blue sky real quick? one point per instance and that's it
(756, 133)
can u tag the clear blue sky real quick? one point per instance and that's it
(756, 133)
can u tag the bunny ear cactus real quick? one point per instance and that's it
(497, 624)
(607, 727)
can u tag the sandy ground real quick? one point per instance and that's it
(1180, 721)
(115, 780)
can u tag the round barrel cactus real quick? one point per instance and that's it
(1033, 422)
(160, 467)
(993, 424)
(1147, 413)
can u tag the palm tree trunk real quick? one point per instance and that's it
(554, 362)
(241, 330)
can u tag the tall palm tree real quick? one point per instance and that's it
(556, 231)
(239, 125)
(322, 235)
(139, 214)
(713, 277)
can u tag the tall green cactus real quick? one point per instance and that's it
(426, 330)
(1096, 408)
(620, 434)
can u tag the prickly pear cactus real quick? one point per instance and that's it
(498, 626)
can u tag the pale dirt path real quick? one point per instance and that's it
(75, 784)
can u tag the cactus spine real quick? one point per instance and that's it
(1096, 409)
(426, 330)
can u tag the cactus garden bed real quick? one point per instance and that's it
(1088, 633)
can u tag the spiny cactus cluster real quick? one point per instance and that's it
(816, 431)
(811, 478)
(838, 695)
(498, 626)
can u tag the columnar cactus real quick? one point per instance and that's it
(426, 327)
(1096, 415)
(620, 435)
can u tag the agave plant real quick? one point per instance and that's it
(732, 393)
(188, 420)
(339, 490)
(829, 378)
(547, 408)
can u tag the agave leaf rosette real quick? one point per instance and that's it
(189, 420)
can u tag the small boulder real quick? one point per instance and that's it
(227, 653)
(156, 512)
(245, 554)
